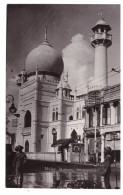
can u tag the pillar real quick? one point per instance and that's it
(102, 147)
(112, 113)
(101, 115)
(86, 149)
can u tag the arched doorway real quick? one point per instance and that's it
(26, 146)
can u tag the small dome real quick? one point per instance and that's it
(47, 59)
(64, 84)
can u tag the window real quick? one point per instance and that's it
(117, 113)
(27, 119)
(104, 116)
(26, 146)
(108, 116)
(70, 118)
(74, 135)
(77, 114)
(90, 118)
(83, 113)
(98, 117)
(55, 114)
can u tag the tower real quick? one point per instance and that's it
(101, 40)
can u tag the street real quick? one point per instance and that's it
(48, 178)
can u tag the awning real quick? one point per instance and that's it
(91, 133)
(63, 142)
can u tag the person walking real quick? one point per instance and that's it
(18, 164)
(109, 159)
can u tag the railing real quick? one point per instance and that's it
(101, 36)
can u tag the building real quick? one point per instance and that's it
(54, 122)
(102, 101)
(46, 105)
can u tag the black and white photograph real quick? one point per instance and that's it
(62, 96)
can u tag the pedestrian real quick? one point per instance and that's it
(109, 159)
(18, 164)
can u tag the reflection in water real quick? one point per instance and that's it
(54, 178)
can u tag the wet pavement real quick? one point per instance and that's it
(59, 178)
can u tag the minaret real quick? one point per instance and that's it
(101, 40)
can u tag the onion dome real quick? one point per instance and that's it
(49, 61)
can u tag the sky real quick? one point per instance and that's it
(69, 30)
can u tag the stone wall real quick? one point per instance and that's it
(44, 156)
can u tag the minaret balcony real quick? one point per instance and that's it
(101, 38)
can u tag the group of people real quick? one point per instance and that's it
(19, 161)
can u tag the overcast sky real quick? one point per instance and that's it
(69, 30)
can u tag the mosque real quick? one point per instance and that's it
(54, 122)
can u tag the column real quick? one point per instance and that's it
(101, 115)
(112, 113)
(102, 147)
(86, 119)
(86, 149)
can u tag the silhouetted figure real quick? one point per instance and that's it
(18, 164)
(107, 166)
(9, 159)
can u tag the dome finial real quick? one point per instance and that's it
(100, 14)
(45, 38)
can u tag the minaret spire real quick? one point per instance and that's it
(100, 14)
(45, 38)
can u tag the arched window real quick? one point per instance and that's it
(27, 120)
(26, 146)
(56, 114)
(53, 115)
(74, 135)
(77, 113)
(70, 118)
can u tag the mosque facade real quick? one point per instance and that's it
(53, 121)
